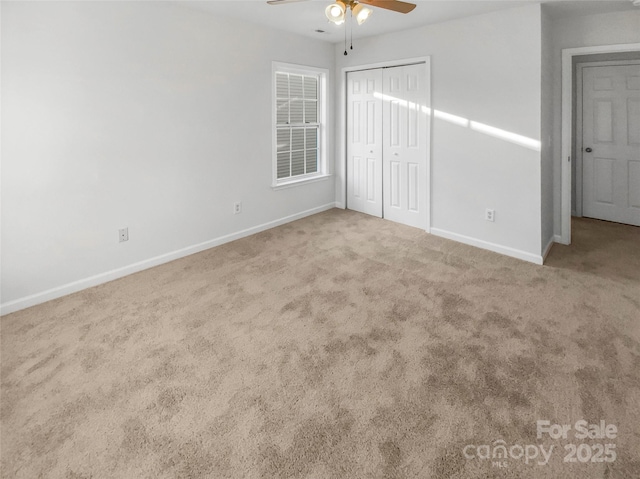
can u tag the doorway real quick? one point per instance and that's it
(387, 143)
(567, 158)
(607, 173)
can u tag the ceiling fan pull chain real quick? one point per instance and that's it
(351, 25)
(345, 40)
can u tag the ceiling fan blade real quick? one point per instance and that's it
(395, 5)
(282, 2)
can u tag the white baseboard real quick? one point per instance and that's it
(547, 248)
(496, 248)
(558, 239)
(74, 287)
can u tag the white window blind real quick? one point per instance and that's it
(297, 124)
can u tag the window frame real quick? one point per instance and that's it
(321, 173)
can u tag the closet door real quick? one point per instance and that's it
(405, 94)
(364, 141)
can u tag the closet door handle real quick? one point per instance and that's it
(588, 150)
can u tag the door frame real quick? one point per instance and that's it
(567, 131)
(342, 141)
(579, 105)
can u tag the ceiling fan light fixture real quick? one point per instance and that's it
(336, 12)
(361, 13)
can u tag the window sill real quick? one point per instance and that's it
(300, 182)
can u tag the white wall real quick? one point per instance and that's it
(546, 187)
(138, 114)
(487, 69)
(582, 31)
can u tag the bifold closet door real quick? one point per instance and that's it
(405, 136)
(364, 141)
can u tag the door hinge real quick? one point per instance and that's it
(569, 159)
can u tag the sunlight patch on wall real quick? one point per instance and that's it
(489, 130)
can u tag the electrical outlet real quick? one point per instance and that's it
(237, 208)
(124, 234)
(490, 215)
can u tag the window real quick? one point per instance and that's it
(299, 124)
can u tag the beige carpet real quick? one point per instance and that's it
(338, 346)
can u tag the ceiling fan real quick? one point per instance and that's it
(336, 12)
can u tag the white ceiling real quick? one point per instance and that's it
(305, 17)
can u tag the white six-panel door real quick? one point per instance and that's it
(387, 143)
(611, 143)
(405, 145)
(364, 142)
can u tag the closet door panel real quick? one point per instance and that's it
(405, 130)
(364, 142)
